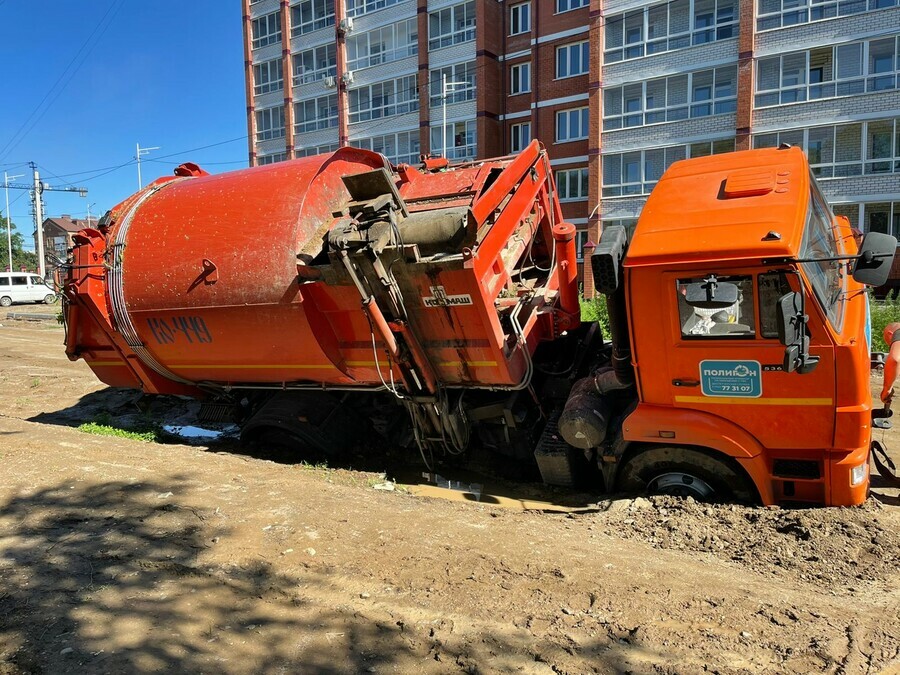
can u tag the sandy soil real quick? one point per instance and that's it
(124, 556)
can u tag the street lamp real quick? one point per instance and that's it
(140, 153)
(446, 88)
(8, 219)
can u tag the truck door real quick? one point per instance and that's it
(728, 361)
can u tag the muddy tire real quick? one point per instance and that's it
(684, 472)
(49, 299)
(5, 301)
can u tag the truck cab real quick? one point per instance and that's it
(723, 246)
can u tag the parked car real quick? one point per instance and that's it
(24, 287)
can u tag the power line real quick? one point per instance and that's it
(55, 90)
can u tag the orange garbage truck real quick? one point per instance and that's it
(337, 302)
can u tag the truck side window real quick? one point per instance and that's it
(772, 285)
(20, 281)
(734, 320)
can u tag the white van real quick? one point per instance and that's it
(24, 287)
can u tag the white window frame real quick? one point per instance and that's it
(519, 136)
(634, 27)
(520, 78)
(271, 24)
(520, 18)
(382, 143)
(893, 225)
(572, 184)
(469, 131)
(271, 158)
(384, 99)
(316, 150)
(649, 111)
(360, 7)
(270, 123)
(456, 72)
(581, 50)
(797, 12)
(321, 16)
(644, 182)
(865, 164)
(462, 26)
(326, 53)
(326, 114)
(372, 47)
(581, 115)
(581, 238)
(569, 5)
(264, 80)
(837, 87)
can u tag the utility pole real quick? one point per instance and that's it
(89, 214)
(140, 153)
(8, 217)
(38, 201)
(37, 188)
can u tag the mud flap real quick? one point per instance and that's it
(885, 465)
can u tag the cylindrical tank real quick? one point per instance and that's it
(585, 418)
(205, 271)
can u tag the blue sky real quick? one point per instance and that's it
(158, 72)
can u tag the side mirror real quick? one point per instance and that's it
(876, 254)
(790, 323)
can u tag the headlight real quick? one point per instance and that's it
(859, 473)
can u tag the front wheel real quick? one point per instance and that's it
(685, 472)
(5, 301)
(49, 299)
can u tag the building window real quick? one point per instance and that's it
(358, 7)
(328, 148)
(451, 26)
(266, 30)
(519, 136)
(310, 15)
(671, 25)
(268, 76)
(566, 5)
(383, 45)
(842, 150)
(384, 99)
(315, 114)
(460, 141)
(636, 173)
(783, 13)
(571, 125)
(460, 79)
(520, 18)
(882, 217)
(520, 78)
(581, 238)
(262, 160)
(828, 72)
(572, 184)
(669, 99)
(572, 60)
(401, 148)
(270, 123)
(315, 64)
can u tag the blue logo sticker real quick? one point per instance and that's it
(731, 378)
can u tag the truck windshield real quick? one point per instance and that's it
(819, 241)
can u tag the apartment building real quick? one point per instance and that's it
(688, 78)
(464, 79)
(616, 89)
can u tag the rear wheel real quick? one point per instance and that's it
(685, 472)
(49, 299)
(5, 301)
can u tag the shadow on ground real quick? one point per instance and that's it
(108, 578)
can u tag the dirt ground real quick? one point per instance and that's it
(126, 556)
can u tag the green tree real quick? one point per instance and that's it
(21, 257)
